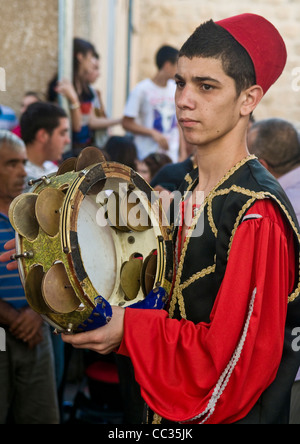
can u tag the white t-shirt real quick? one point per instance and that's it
(36, 172)
(154, 107)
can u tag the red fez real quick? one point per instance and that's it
(263, 43)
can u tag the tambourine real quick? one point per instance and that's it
(92, 236)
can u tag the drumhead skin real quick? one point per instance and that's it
(100, 221)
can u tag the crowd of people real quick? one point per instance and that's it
(32, 370)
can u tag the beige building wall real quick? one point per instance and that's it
(28, 47)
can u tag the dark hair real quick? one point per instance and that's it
(82, 47)
(155, 162)
(122, 150)
(166, 54)
(40, 116)
(212, 41)
(277, 142)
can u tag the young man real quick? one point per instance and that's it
(150, 112)
(45, 130)
(225, 352)
(28, 391)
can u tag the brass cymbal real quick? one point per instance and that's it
(33, 290)
(133, 212)
(88, 157)
(67, 166)
(57, 291)
(149, 273)
(131, 278)
(47, 209)
(113, 213)
(22, 216)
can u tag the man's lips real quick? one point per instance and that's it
(188, 123)
(20, 185)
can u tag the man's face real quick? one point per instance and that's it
(12, 173)
(206, 100)
(58, 140)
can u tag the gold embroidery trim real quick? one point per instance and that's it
(188, 179)
(197, 276)
(156, 419)
(211, 219)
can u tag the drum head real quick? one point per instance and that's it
(97, 248)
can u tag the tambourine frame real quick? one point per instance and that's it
(65, 246)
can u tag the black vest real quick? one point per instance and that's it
(202, 267)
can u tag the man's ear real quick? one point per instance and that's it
(42, 136)
(251, 97)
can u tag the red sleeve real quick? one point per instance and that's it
(216, 372)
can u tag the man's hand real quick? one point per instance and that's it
(6, 257)
(27, 326)
(104, 340)
(160, 139)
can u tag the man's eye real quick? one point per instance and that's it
(206, 87)
(180, 85)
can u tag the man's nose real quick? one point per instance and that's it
(68, 140)
(185, 99)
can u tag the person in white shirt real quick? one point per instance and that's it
(45, 130)
(150, 113)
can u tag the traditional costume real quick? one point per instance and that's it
(223, 354)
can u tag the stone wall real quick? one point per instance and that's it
(28, 48)
(161, 22)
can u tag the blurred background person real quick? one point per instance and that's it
(8, 118)
(276, 143)
(81, 97)
(153, 163)
(28, 99)
(150, 113)
(122, 150)
(28, 389)
(45, 130)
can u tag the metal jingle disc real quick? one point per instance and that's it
(149, 273)
(47, 209)
(131, 278)
(133, 212)
(67, 166)
(57, 291)
(33, 290)
(88, 157)
(22, 216)
(113, 213)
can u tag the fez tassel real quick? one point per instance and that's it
(224, 380)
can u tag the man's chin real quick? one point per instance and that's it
(17, 191)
